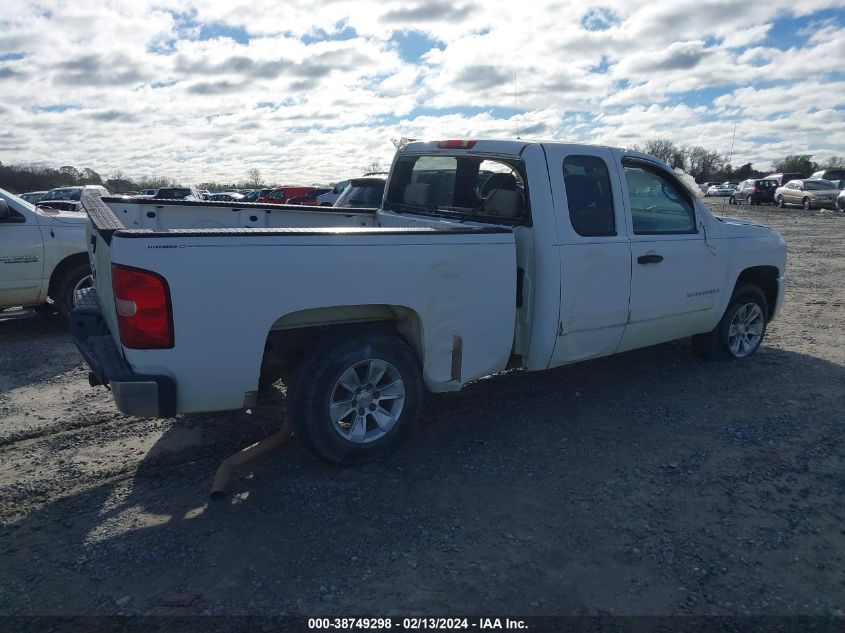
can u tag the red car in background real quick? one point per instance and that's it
(309, 198)
(281, 195)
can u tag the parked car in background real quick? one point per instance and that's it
(829, 174)
(784, 178)
(362, 193)
(147, 193)
(281, 195)
(69, 198)
(328, 199)
(731, 184)
(33, 196)
(310, 198)
(256, 194)
(178, 193)
(719, 191)
(43, 255)
(754, 191)
(225, 196)
(205, 193)
(810, 193)
(704, 186)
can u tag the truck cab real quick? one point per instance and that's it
(43, 255)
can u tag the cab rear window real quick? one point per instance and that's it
(484, 189)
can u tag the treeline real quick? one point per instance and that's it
(708, 166)
(701, 163)
(36, 177)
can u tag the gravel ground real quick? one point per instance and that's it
(645, 483)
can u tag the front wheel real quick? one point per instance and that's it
(731, 200)
(355, 395)
(77, 277)
(808, 206)
(741, 329)
(780, 202)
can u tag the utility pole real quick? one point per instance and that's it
(731, 155)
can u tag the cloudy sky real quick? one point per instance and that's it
(310, 91)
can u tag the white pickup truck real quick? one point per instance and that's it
(483, 255)
(43, 254)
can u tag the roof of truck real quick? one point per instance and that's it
(511, 147)
(497, 146)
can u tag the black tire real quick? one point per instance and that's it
(315, 381)
(749, 200)
(808, 206)
(715, 345)
(45, 309)
(731, 200)
(65, 287)
(780, 202)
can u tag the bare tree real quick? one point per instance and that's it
(254, 177)
(373, 167)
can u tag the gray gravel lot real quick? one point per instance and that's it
(645, 483)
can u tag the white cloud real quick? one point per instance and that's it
(321, 87)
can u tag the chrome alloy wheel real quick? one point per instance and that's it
(86, 282)
(745, 330)
(367, 400)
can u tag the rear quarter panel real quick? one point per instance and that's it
(227, 292)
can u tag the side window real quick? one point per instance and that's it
(658, 206)
(588, 195)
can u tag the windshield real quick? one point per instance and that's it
(63, 194)
(362, 194)
(173, 194)
(818, 185)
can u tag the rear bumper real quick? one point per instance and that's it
(134, 394)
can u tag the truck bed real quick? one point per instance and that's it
(451, 288)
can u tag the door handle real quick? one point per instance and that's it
(649, 259)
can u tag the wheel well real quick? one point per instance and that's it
(291, 335)
(62, 267)
(766, 278)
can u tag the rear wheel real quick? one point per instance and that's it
(749, 200)
(780, 202)
(355, 395)
(741, 329)
(731, 200)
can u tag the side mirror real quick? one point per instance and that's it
(4, 210)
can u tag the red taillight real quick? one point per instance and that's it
(144, 316)
(756, 189)
(456, 144)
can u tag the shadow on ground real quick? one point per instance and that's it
(646, 483)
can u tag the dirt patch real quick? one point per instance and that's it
(645, 483)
